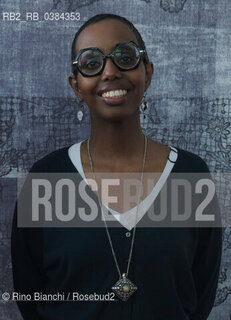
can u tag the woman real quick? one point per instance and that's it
(155, 273)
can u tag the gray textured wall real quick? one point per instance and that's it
(189, 42)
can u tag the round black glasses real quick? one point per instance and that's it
(126, 56)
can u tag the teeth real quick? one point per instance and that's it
(114, 93)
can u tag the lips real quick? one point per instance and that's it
(113, 96)
(111, 89)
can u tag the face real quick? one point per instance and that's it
(114, 93)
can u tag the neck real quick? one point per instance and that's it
(117, 140)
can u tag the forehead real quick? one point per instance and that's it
(105, 35)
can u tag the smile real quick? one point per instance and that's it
(114, 94)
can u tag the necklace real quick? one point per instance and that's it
(123, 288)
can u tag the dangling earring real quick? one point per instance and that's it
(80, 111)
(144, 103)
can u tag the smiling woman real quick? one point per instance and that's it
(112, 74)
(152, 273)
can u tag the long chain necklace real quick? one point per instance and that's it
(123, 288)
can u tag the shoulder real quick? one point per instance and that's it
(186, 161)
(56, 161)
(189, 162)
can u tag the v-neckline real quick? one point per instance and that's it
(128, 218)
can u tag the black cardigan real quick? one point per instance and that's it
(176, 269)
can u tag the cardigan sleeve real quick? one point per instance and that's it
(26, 253)
(26, 267)
(207, 259)
(206, 271)
(27, 243)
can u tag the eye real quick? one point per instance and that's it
(90, 60)
(126, 58)
(92, 64)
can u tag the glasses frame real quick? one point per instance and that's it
(112, 56)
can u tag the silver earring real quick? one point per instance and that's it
(80, 112)
(144, 103)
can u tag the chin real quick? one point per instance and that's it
(116, 113)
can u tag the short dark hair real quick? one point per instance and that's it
(100, 17)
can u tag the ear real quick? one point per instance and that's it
(149, 73)
(74, 84)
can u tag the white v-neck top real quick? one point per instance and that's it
(131, 217)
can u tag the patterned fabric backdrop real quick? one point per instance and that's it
(189, 42)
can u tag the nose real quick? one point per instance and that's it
(110, 71)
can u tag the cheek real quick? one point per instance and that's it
(86, 85)
(139, 85)
(138, 77)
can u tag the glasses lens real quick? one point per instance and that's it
(90, 61)
(126, 56)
